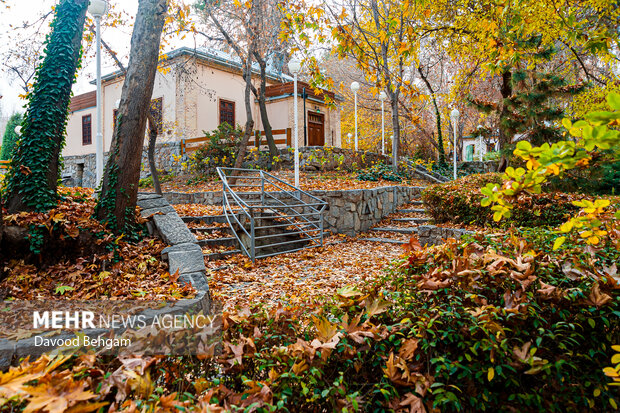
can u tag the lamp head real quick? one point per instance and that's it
(97, 8)
(294, 66)
(355, 87)
(382, 95)
(18, 129)
(349, 135)
(455, 115)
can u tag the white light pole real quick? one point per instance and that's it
(97, 9)
(454, 115)
(349, 135)
(382, 96)
(294, 66)
(480, 143)
(355, 87)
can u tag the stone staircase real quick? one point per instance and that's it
(400, 226)
(214, 236)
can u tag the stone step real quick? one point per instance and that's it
(207, 219)
(226, 242)
(411, 211)
(214, 256)
(385, 240)
(211, 229)
(416, 220)
(392, 229)
(417, 202)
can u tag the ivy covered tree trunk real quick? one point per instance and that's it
(119, 189)
(32, 179)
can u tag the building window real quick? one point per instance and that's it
(87, 130)
(157, 113)
(227, 112)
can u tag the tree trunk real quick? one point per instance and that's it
(32, 180)
(249, 123)
(151, 153)
(395, 131)
(119, 190)
(504, 138)
(442, 152)
(262, 104)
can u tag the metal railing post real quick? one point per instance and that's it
(252, 237)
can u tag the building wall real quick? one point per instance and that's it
(73, 138)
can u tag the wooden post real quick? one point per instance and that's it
(288, 137)
(257, 139)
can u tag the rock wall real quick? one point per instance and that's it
(433, 235)
(477, 167)
(80, 170)
(348, 212)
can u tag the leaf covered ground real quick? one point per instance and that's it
(68, 255)
(324, 181)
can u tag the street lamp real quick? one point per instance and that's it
(454, 115)
(382, 96)
(294, 66)
(18, 129)
(355, 87)
(350, 136)
(97, 9)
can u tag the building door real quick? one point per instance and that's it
(316, 129)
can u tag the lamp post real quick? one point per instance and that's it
(350, 136)
(454, 115)
(355, 87)
(479, 142)
(97, 9)
(294, 66)
(382, 96)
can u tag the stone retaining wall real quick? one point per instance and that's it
(349, 211)
(433, 235)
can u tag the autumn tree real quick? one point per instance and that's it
(119, 188)
(235, 22)
(32, 179)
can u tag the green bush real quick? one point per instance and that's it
(601, 178)
(459, 201)
(380, 171)
(219, 151)
(10, 136)
(148, 181)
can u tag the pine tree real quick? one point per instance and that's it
(9, 140)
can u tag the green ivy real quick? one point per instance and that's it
(45, 122)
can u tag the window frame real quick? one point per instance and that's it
(220, 113)
(89, 141)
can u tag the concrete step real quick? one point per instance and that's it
(398, 230)
(417, 202)
(411, 211)
(384, 240)
(416, 220)
(214, 256)
(226, 242)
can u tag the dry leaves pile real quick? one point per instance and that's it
(80, 259)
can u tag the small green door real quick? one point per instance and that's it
(469, 153)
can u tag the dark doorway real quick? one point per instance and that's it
(316, 129)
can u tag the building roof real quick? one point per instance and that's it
(83, 101)
(274, 66)
(286, 89)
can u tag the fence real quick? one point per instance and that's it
(280, 136)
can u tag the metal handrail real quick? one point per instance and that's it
(289, 212)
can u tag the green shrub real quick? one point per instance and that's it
(491, 156)
(148, 181)
(459, 201)
(9, 140)
(219, 151)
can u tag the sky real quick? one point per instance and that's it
(20, 11)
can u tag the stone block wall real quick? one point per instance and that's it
(348, 211)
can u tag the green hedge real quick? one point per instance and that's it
(459, 201)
